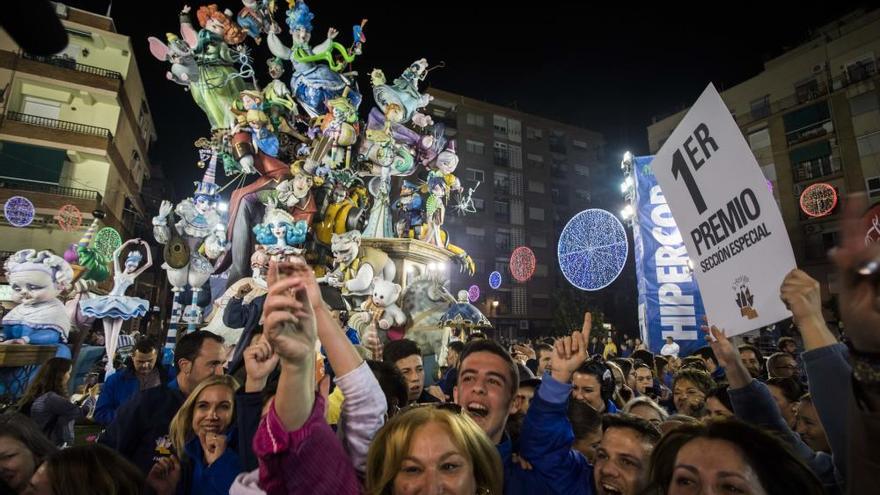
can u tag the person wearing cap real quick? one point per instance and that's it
(528, 385)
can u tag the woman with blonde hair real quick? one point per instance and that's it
(430, 447)
(204, 444)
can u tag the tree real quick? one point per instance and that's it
(569, 314)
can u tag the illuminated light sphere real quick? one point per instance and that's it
(495, 280)
(473, 293)
(522, 264)
(19, 211)
(106, 241)
(818, 200)
(592, 249)
(69, 218)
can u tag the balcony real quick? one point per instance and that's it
(33, 127)
(51, 196)
(62, 69)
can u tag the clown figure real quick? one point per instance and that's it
(435, 210)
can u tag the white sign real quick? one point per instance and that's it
(730, 222)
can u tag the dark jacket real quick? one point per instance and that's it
(55, 416)
(200, 478)
(237, 315)
(140, 430)
(447, 383)
(118, 389)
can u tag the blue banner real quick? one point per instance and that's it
(669, 300)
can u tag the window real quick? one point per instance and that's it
(807, 123)
(538, 241)
(813, 161)
(502, 212)
(861, 69)
(583, 195)
(557, 141)
(760, 108)
(536, 187)
(558, 168)
(501, 154)
(759, 139)
(582, 170)
(502, 244)
(41, 107)
(534, 133)
(807, 90)
(475, 147)
(499, 123)
(475, 175)
(864, 103)
(541, 301)
(536, 213)
(873, 184)
(869, 144)
(501, 182)
(579, 144)
(476, 120)
(479, 204)
(535, 161)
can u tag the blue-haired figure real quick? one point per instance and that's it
(313, 83)
(435, 210)
(115, 308)
(277, 238)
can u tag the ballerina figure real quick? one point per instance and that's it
(116, 308)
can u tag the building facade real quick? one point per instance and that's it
(812, 116)
(75, 129)
(534, 174)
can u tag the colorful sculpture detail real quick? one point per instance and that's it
(116, 308)
(37, 278)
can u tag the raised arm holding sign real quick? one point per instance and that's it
(729, 221)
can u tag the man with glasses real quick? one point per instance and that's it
(782, 365)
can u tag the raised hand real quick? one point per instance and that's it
(803, 296)
(165, 208)
(259, 361)
(570, 352)
(725, 352)
(288, 318)
(856, 263)
(332, 33)
(214, 446)
(164, 476)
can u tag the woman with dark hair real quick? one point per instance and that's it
(22, 449)
(718, 405)
(724, 457)
(85, 470)
(47, 403)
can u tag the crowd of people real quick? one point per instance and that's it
(562, 416)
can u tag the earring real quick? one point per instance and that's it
(483, 491)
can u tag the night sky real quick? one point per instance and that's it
(609, 68)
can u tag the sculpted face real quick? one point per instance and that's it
(32, 286)
(345, 247)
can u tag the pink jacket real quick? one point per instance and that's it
(310, 460)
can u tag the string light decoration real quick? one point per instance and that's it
(106, 241)
(69, 218)
(818, 200)
(592, 249)
(495, 280)
(19, 211)
(473, 293)
(522, 264)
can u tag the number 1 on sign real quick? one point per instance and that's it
(680, 169)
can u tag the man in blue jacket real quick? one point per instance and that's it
(487, 383)
(140, 430)
(623, 454)
(142, 372)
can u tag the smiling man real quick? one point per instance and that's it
(623, 456)
(487, 384)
